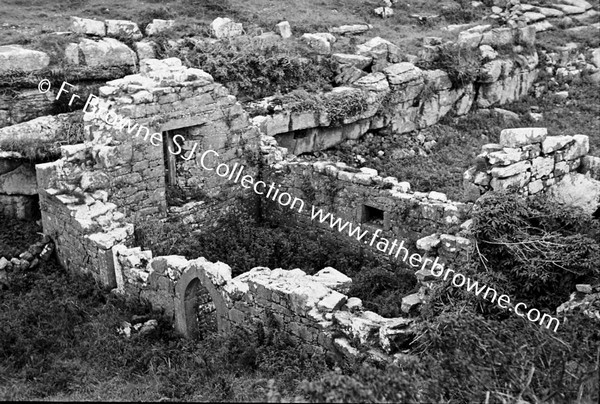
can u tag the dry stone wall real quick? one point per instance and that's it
(528, 160)
(167, 101)
(359, 196)
(401, 96)
(311, 310)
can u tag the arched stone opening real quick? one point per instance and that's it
(199, 310)
(199, 306)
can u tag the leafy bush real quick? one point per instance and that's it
(536, 250)
(255, 68)
(461, 63)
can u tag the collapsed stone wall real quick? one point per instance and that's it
(529, 160)
(311, 310)
(402, 97)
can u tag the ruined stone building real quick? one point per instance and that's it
(149, 130)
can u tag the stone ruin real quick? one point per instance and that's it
(91, 196)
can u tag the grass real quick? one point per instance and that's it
(27, 19)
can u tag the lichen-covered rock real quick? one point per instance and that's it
(123, 28)
(522, 136)
(87, 26)
(107, 52)
(158, 25)
(576, 190)
(225, 28)
(17, 58)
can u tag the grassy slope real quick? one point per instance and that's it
(23, 20)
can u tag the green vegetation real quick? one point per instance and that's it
(254, 68)
(60, 340)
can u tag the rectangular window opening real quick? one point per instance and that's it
(373, 215)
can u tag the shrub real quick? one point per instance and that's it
(461, 63)
(538, 249)
(254, 68)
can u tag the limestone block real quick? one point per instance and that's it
(145, 50)
(519, 181)
(319, 42)
(482, 178)
(284, 29)
(381, 50)
(158, 25)
(591, 165)
(439, 79)
(344, 347)
(491, 71)
(331, 302)
(542, 166)
(437, 196)
(123, 28)
(576, 190)
(535, 186)
(87, 26)
(225, 28)
(401, 73)
(15, 57)
(579, 148)
(107, 52)
(506, 157)
(578, 3)
(553, 143)
(363, 328)
(94, 180)
(498, 37)
(351, 29)
(542, 26)
(333, 279)
(373, 82)
(569, 10)
(358, 61)
(509, 171)
(20, 181)
(470, 39)
(353, 305)
(411, 302)
(522, 136)
(550, 12)
(429, 242)
(531, 16)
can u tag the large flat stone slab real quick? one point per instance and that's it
(15, 57)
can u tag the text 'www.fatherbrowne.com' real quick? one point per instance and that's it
(272, 191)
(395, 248)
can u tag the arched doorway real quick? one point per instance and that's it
(199, 306)
(199, 310)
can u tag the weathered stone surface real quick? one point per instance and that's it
(284, 29)
(522, 136)
(576, 190)
(351, 29)
(20, 181)
(157, 26)
(401, 73)
(87, 26)
(554, 143)
(225, 28)
(507, 156)
(591, 165)
(518, 181)
(123, 28)
(550, 12)
(429, 242)
(15, 58)
(319, 42)
(577, 3)
(579, 148)
(373, 82)
(145, 50)
(509, 171)
(542, 166)
(358, 61)
(411, 302)
(107, 52)
(569, 10)
(333, 279)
